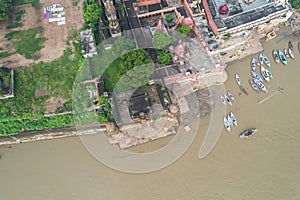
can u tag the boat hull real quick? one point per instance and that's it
(282, 57)
(247, 133)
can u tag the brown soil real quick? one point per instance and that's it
(57, 36)
(53, 103)
(40, 93)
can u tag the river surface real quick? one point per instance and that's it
(265, 166)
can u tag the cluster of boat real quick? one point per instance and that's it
(257, 82)
(229, 121)
(229, 99)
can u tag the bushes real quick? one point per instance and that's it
(295, 3)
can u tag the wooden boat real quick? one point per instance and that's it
(276, 56)
(247, 133)
(290, 44)
(231, 96)
(282, 57)
(227, 99)
(291, 53)
(253, 63)
(223, 100)
(264, 73)
(232, 116)
(269, 73)
(244, 90)
(230, 122)
(270, 35)
(253, 85)
(257, 76)
(227, 126)
(237, 78)
(286, 53)
(260, 85)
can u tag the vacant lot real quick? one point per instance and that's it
(56, 36)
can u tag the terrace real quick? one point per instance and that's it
(229, 15)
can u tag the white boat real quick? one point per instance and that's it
(229, 120)
(231, 96)
(223, 100)
(227, 126)
(234, 121)
(253, 63)
(260, 85)
(257, 76)
(264, 73)
(266, 60)
(286, 53)
(291, 53)
(253, 85)
(237, 78)
(269, 73)
(227, 99)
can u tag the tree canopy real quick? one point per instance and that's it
(183, 30)
(4, 9)
(295, 3)
(92, 13)
(164, 57)
(161, 40)
(132, 59)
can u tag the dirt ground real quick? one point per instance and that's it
(57, 36)
(53, 103)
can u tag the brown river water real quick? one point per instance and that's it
(265, 166)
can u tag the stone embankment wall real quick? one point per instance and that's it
(48, 134)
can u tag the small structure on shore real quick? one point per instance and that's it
(6, 83)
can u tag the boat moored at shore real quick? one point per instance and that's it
(257, 76)
(253, 85)
(276, 56)
(282, 57)
(260, 85)
(291, 53)
(264, 73)
(237, 78)
(226, 124)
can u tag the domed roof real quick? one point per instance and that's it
(174, 108)
(224, 9)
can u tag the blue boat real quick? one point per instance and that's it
(257, 76)
(282, 57)
(260, 85)
(269, 73)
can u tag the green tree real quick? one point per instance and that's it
(161, 40)
(164, 57)
(92, 14)
(132, 59)
(295, 4)
(5, 6)
(169, 17)
(183, 30)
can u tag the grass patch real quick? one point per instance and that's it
(26, 111)
(5, 54)
(14, 25)
(26, 42)
(34, 3)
